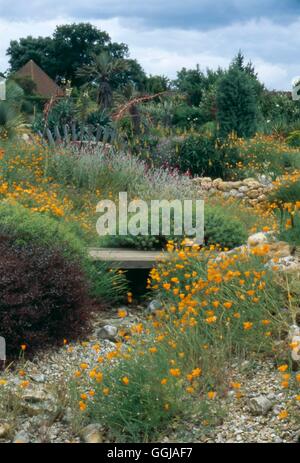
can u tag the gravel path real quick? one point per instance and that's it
(239, 424)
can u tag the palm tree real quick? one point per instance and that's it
(101, 72)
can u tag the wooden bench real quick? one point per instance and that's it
(126, 258)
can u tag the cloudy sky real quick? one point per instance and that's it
(166, 35)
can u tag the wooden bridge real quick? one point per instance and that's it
(127, 258)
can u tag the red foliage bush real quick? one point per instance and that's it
(43, 296)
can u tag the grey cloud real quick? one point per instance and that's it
(204, 14)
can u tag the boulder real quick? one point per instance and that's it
(153, 306)
(92, 434)
(257, 239)
(109, 332)
(5, 429)
(260, 405)
(253, 194)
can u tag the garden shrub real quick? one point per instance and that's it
(222, 229)
(293, 139)
(204, 155)
(27, 228)
(43, 295)
(268, 155)
(291, 232)
(236, 101)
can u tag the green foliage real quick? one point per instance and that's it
(157, 84)
(223, 229)
(70, 48)
(287, 192)
(290, 234)
(205, 155)
(28, 228)
(236, 104)
(136, 412)
(293, 139)
(186, 117)
(101, 71)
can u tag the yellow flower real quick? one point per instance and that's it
(105, 391)
(175, 372)
(125, 380)
(152, 350)
(247, 325)
(164, 381)
(99, 377)
(227, 305)
(282, 368)
(190, 389)
(24, 384)
(236, 385)
(83, 396)
(211, 320)
(283, 415)
(122, 313)
(196, 372)
(84, 366)
(3, 382)
(82, 406)
(298, 377)
(211, 395)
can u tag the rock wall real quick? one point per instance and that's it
(250, 189)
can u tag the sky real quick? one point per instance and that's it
(166, 35)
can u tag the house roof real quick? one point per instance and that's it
(45, 86)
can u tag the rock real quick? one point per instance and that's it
(108, 332)
(251, 183)
(5, 429)
(154, 305)
(21, 438)
(257, 239)
(34, 395)
(261, 198)
(37, 378)
(243, 189)
(253, 194)
(260, 405)
(35, 402)
(233, 193)
(279, 249)
(217, 182)
(92, 434)
(289, 264)
(224, 186)
(68, 416)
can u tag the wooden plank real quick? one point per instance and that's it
(126, 258)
